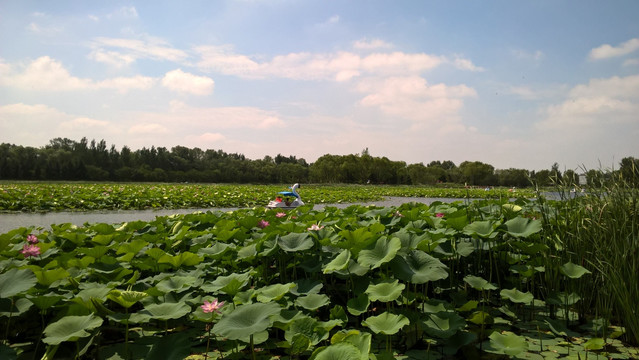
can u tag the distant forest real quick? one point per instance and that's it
(65, 159)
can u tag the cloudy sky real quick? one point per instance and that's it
(510, 83)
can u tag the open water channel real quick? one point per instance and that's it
(9, 222)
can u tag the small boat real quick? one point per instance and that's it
(287, 199)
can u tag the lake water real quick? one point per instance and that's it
(44, 220)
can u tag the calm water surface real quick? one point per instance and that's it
(44, 220)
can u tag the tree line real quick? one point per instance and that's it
(66, 159)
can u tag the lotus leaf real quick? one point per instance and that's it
(358, 305)
(418, 267)
(308, 327)
(384, 251)
(167, 311)
(517, 296)
(506, 344)
(182, 259)
(273, 292)
(386, 323)
(70, 328)
(340, 351)
(312, 301)
(385, 291)
(16, 281)
(230, 284)
(361, 340)
(338, 263)
(178, 283)
(171, 347)
(294, 242)
(48, 277)
(483, 228)
(479, 283)
(246, 320)
(126, 298)
(299, 344)
(306, 286)
(522, 227)
(573, 271)
(443, 324)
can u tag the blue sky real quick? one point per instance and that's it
(509, 83)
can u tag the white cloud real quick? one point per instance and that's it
(148, 129)
(84, 124)
(178, 80)
(21, 109)
(631, 62)
(414, 99)
(148, 48)
(365, 44)
(596, 106)
(339, 66)
(526, 55)
(606, 51)
(465, 64)
(47, 74)
(112, 58)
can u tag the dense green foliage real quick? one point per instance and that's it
(125, 196)
(479, 279)
(65, 159)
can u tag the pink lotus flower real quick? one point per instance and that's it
(440, 215)
(315, 227)
(262, 224)
(212, 306)
(30, 250)
(32, 239)
(280, 214)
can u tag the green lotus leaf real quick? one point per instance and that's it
(418, 267)
(443, 324)
(522, 227)
(563, 299)
(308, 327)
(480, 317)
(294, 242)
(595, 344)
(46, 301)
(455, 342)
(573, 271)
(70, 328)
(312, 301)
(299, 344)
(167, 311)
(16, 281)
(230, 284)
(214, 251)
(479, 283)
(14, 308)
(517, 296)
(177, 283)
(384, 251)
(273, 292)
(506, 344)
(307, 286)
(386, 323)
(338, 263)
(385, 291)
(182, 259)
(48, 277)
(340, 351)
(246, 320)
(361, 340)
(358, 305)
(512, 207)
(483, 228)
(171, 347)
(353, 269)
(126, 298)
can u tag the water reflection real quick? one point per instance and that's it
(44, 220)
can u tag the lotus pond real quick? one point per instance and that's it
(50, 196)
(484, 279)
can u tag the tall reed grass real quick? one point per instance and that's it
(599, 230)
